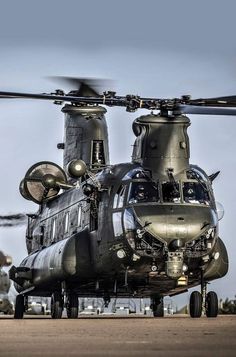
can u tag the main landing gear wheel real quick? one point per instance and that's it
(195, 306)
(56, 305)
(158, 307)
(19, 307)
(211, 304)
(72, 308)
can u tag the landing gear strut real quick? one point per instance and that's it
(106, 299)
(157, 305)
(203, 303)
(57, 305)
(19, 307)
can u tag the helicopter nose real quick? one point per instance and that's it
(175, 225)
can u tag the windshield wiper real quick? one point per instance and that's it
(196, 176)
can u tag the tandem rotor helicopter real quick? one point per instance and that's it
(148, 228)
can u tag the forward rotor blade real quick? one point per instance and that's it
(227, 101)
(192, 109)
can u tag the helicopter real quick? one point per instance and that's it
(5, 304)
(147, 228)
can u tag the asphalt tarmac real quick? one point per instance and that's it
(113, 336)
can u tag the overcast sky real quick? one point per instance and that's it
(154, 48)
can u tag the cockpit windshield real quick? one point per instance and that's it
(196, 193)
(141, 189)
(143, 192)
(171, 192)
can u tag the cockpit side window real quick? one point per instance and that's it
(53, 229)
(67, 218)
(130, 227)
(119, 197)
(171, 192)
(196, 193)
(143, 192)
(79, 216)
(117, 224)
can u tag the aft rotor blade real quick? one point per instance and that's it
(15, 216)
(65, 98)
(13, 220)
(85, 86)
(43, 96)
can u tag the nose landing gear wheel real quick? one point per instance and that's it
(72, 308)
(211, 304)
(19, 307)
(195, 306)
(56, 305)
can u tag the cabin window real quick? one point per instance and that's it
(119, 197)
(117, 223)
(67, 222)
(195, 193)
(143, 192)
(53, 229)
(41, 235)
(171, 192)
(79, 216)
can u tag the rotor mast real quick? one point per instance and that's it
(85, 136)
(162, 144)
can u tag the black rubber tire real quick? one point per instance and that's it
(72, 306)
(19, 307)
(158, 308)
(56, 305)
(211, 304)
(195, 305)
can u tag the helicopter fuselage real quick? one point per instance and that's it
(120, 241)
